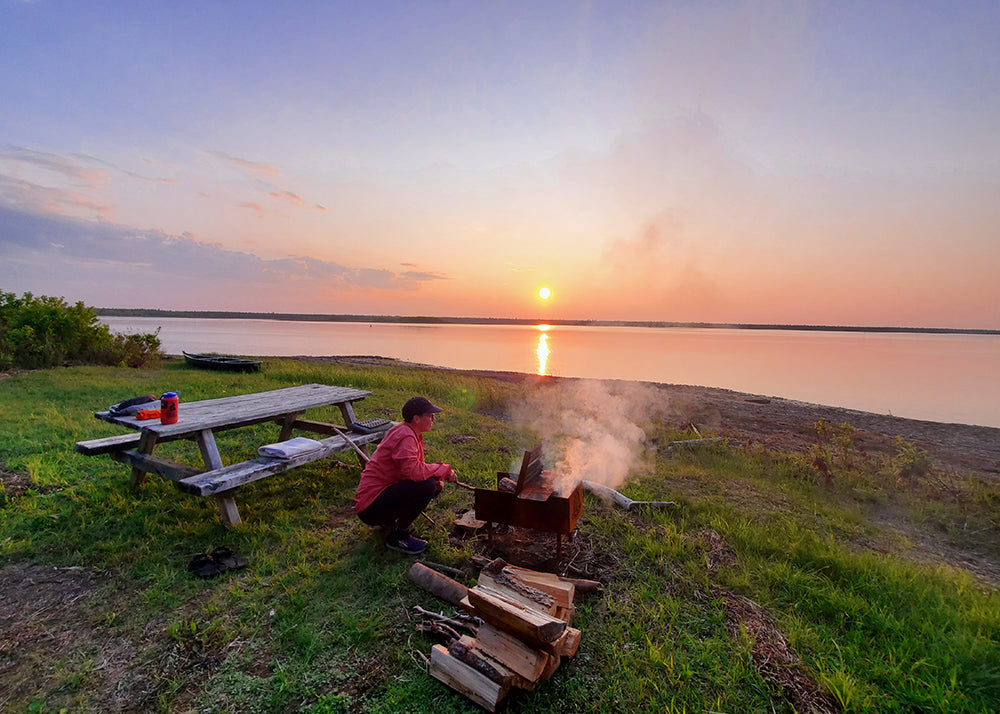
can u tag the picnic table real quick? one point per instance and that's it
(200, 420)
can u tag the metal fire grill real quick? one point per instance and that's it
(533, 504)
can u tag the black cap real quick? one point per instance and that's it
(418, 406)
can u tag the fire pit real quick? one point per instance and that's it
(533, 501)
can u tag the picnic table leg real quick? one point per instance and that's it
(146, 443)
(210, 454)
(227, 507)
(347, 410)
(287, 423)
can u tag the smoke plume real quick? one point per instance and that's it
(590, 429)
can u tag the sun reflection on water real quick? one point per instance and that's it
(542, 350)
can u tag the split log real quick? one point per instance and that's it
(496, 577)
(437, 584)
(463, 649)
(464, 679)
(581, 585)
(531, 626)
(516, 680)
(513, 654)
(619, 499)
(507, 485)
(560, 589)
(551, 667)
(570, 642)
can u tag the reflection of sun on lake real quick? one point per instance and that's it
(542, 350)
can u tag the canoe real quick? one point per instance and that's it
(222, 364)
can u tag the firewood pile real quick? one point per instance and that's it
(520, 629)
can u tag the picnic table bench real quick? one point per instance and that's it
(198, 421)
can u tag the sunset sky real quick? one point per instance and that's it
(828, 163)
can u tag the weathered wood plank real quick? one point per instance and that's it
(145, 463)
(243, 409)
(228, 477)
(95, 447)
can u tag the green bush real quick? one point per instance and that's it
(43, 331)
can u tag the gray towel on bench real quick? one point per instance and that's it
(293, 447)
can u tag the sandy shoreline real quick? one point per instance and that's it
(783, 423)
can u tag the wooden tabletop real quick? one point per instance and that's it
(241, 410)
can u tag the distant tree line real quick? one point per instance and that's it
(44, 331)
(426, 320)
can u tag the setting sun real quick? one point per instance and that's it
(544, 293)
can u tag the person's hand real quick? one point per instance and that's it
(452, 475)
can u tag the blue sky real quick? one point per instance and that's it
(776, 162)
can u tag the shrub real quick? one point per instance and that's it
(43, 331)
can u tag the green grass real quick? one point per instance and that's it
(321, 619)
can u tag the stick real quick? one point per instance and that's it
(465, 486)
(622, 500)
(364, 457)
(461, 619)
(446, 569)
(691, 442)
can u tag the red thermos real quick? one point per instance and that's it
(168, 408)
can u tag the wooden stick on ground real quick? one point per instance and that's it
(446, 569)
(622, 500)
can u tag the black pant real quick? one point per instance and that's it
(399, 504)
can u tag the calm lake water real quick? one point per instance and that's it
(946, 378)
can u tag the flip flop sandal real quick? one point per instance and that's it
(227, 559)
(204, 566)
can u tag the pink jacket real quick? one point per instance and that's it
(398, 457)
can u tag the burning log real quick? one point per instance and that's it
(619, 499)
(533, 504)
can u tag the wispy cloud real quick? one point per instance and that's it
(255, 168)
(17, 192)
(56, 163)
(60, 253)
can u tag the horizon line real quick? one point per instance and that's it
(425, 319)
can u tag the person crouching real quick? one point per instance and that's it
(396, 485)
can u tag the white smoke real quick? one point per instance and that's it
(590, 429)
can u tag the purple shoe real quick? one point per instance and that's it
(405, 543)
